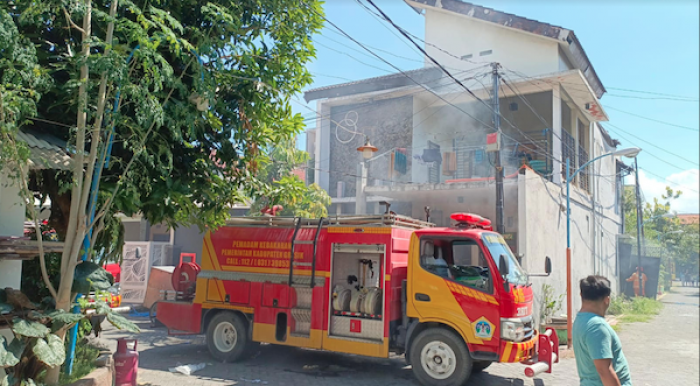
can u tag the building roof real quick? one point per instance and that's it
(566, 38)
(688, 219)
(379, 83)
(45, 150)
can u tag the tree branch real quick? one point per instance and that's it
(141, 147)
(71, 22)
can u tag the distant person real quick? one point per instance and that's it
(635, 281)
(683, 279)
(598, 351)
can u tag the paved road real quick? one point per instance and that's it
(661, 352)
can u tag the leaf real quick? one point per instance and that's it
(7, 357)
(89, 275)
(121, 322)
(51, 352)
(29, 329)
(64, 317)
(5, 308)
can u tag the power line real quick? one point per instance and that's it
(695, 163)
(665, 180)
(352, 57)
(652, 119)
(406, 34)
(438, 64)
(399, 70)
(650, 154)
(653, 98)
(651, 93)
(423, 90)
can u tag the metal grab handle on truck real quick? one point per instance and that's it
(313, 262)
(297, 225)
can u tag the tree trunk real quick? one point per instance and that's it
(76, 223)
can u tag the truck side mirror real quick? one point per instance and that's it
(547, 265)
(503, 266)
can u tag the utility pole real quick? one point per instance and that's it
(639, 221)
(500, 224)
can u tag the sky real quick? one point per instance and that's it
(650, 47)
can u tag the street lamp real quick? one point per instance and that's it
(367, 151)
(627, 152)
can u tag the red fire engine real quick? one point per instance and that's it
(453, 300)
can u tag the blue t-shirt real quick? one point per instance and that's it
(593, 338)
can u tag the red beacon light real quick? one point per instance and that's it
(471, 220)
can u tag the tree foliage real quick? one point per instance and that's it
(289, 191)
(167, 103)
(679, 243)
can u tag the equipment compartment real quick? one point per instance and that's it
(357, 293)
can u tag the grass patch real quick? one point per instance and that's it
(83, 364)
(635, 318)
(635, 310)
(636, 306)
(616, 327)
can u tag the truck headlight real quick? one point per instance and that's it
(512, 329)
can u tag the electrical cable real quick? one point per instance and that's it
(647, 152)
(651, 93)
(665, 180)
(404, 32)
(652, 154)
(421, 91)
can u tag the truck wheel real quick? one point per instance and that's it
(440, 358)
(227, 337)
(480, 366)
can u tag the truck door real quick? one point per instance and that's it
(451, 282)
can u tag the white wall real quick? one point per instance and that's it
(544, 219)
(461, 35)
(12, 214)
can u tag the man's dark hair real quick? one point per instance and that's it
(595, 288)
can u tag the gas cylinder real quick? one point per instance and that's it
(126, 363)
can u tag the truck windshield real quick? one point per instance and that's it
(497, 247)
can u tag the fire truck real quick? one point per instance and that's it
(452, 299)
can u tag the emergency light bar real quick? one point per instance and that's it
(473, 220)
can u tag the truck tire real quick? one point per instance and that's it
(227, 338)
(440, 358)
(480, 366)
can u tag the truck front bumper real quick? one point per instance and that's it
(539, 353)
(545, 355)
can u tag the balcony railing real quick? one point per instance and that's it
(584, 179)
(462, 162)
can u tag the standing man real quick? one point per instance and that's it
(635, 281)
(599, 357)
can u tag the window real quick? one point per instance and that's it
(470, 266)
(497, 246)
(461, 261)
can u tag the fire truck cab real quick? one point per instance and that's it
(453, 300)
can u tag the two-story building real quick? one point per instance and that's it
(431, 137)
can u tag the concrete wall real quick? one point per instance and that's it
(12, 214)
(388, 124)
(461, 35)
(543, 217)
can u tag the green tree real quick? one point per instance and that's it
(289, 191)
(179, 95)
